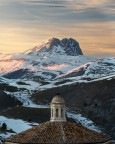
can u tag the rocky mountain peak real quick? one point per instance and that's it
(72, 46)
(54, 42)
(69, 42)
(66, 46)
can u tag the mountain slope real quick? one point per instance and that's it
(95, 99)
(55, 46)
(47, 61)
(93, 70)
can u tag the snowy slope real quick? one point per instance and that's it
(93, 70)
(47, 61)
(63, 47)
(100, 68)
(16, 125)
(53, 62)
(83, 120)
(10, 65)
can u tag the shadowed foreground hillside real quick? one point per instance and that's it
(96, 100)
(7, 101)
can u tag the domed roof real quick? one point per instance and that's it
(58, 99)
(59, 132)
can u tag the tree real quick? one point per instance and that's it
(4, 127)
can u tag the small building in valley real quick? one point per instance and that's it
(58, 130)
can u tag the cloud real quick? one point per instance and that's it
(23, 24)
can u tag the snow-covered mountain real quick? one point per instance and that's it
(55, 46)
(53, 64)
(32, 78)
(48, 60)
(54, 60)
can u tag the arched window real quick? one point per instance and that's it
(62, 113)
(56, 112)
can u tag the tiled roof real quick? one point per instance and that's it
(58, 133)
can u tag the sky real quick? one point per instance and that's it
(26, 23)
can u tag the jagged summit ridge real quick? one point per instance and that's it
(66, 46)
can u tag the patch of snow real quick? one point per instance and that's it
(56, 66)
(5, 80)
(84, 121)
(10, 65)
(104, 78)
(16, 125)
(29, 85)
(101, 68)
(6, 135)
(5, 56)
(24, 97)
(74, 70)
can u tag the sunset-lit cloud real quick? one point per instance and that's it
(24, 24)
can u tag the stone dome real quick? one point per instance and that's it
(58, 100)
